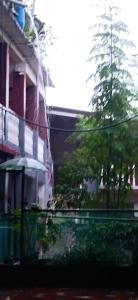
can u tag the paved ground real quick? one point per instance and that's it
(65, 294)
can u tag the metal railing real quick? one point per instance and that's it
(14, 128)
(71, 238)
(9, 240)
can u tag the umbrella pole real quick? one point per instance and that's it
(22, 218)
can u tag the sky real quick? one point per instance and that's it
(67, 59)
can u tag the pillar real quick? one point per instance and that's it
(4, 74)
(19, 94)
(18, 105)
(42, 119)
(32, 115)
(31, 106)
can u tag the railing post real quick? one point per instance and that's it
(2, 124)
(22, 219)
(5, 124)
(22, 136)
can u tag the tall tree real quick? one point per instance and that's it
(108, 155)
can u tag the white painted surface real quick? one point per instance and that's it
(41, 195)
(136, 208)
(2, 113)
(28, 140)
(12, 128)
(40, 149)
(63, 113)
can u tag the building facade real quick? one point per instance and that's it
(65, 118)
(23, 112)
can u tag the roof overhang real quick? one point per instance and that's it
(10, 28)
(16, 35)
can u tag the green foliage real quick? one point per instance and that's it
(47, 233)
(101, 243)
(68, 192)
(107, 156)
(39, 232)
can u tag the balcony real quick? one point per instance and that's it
(9, 127)
(14, 132)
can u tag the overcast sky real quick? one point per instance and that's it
(67, 59)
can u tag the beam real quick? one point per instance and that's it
(5, 38)
(17, 2)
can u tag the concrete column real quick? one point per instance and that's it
(4, 74)
(19, 104)
(19, 94)
(31, 106)
(32, 113)
(42, 119)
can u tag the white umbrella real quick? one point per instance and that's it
(20, 162)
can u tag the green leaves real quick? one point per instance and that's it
(100, 242)
(105, 155)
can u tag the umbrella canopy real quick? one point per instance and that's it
(20, 162)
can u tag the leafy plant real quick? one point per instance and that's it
(39, 232)
(106, 155)
(102, 243)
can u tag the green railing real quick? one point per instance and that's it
(72, 238)
(9, 240)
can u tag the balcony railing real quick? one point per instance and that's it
(2, 115)
(28, 140)
(72, 238)
(12, 128)
(11, 132)
(40, 149)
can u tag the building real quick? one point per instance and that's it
(23, 112)
(65, 118)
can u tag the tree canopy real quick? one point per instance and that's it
(107, 156)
